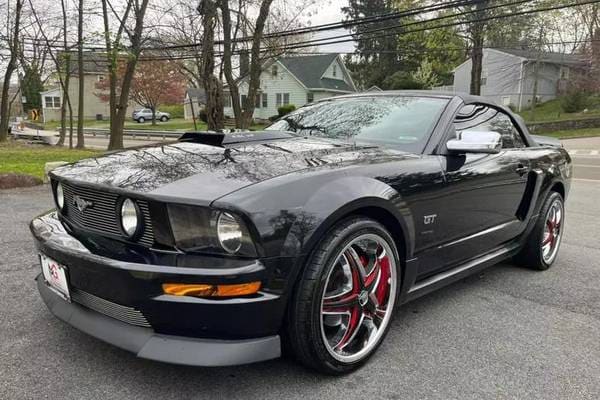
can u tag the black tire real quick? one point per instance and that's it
(304, 330)
(141, 120)
(532, 254)
(164, 118)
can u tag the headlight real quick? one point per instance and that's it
(229, 233)
(59, 195)
(202, 229)
(129, 217)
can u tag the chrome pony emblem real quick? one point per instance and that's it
(81, 203)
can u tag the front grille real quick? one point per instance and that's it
(125, 314)
(103, 217)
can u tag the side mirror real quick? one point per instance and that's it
(475, 142)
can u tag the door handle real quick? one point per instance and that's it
(522, 169)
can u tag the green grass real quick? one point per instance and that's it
(30, 159)
(574, 133)
(551, 111)
(175, 124)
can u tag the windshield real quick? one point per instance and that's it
(405, 121)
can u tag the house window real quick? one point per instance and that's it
(274, 70)
(227, 100)
(278, 98)
(506, 101)
(257, 100)
(100, 78)
(564, 73)
(286, 98)
(52, 102)
(265, 102)
(310, 97)
(244, 99)
(334, 70)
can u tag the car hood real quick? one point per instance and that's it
(202, 173)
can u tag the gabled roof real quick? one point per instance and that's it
(93, 63)
(546, 57)
(309, 71)
(196, 93)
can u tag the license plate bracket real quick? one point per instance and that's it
(55, 275)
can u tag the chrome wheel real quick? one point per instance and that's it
(552, 231)
(358, 299)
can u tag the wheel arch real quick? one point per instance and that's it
(360, 196)
(558, 187)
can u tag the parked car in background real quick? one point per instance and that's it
(212, 250)
(145, 114)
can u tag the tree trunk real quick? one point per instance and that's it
(536, 73)
(153, 115)
(227, 67)
(10, 68)
(118, 104)
(80, 109)
(477, 36)
(212, 85)
(255, 64)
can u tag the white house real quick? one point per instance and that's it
(193, 102)
(508, 75)
(296, 80)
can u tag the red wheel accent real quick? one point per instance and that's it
(359, 294)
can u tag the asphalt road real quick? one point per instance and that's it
(507, 333)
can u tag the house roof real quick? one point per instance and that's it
(196, 93)
(310, 69)
(546, 57)
(93, 63)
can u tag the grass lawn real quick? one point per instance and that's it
(30, 159)
(551, 111)
(574, 133)
(175, 124)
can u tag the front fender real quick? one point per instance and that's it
(341, 198)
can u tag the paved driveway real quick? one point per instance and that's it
(508, 333)
(586, 157)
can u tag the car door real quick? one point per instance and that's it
(482, 192)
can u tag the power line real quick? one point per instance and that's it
(350, 36)
(495, 17)
(325, 42)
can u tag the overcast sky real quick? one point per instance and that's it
(327, 13)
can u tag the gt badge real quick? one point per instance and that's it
(429, 219)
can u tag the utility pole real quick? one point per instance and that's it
(477, 36)
(536, 71)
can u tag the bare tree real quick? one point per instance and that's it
(212, 85)
(119, 97)
(62, 63)
(12, 43)
(81, 77)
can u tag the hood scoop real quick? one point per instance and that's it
(220, 139)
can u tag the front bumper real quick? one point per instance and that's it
(180, 330)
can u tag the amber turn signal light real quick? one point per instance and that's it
(203, 290)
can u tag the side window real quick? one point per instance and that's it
(483, 118)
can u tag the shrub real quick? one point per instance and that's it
(176, 110)
(203, 116)
(286, 109)
(574, 102)
(401, 80)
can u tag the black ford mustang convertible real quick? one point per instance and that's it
(220, 249)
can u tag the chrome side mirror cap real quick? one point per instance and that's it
(471, 141)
